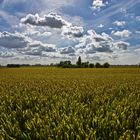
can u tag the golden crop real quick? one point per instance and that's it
(74, 104)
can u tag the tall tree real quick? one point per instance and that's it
(79, 62)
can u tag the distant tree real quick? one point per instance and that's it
(13, 65)
(91, 65)
(79, 62)
(68, 62)
(65, 64)
(106, 65)
(51, 65)
(84, 64)
(139, 65)
(98, 65)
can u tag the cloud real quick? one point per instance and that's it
(100, 26)
(121, 45)
(100, 47)
(7, 54)
(51, 20)
(122, 34)
(39, 5)
(119, 23)
(92, 48)
(114, 10)
(67, 50)
(9, 40)
(137, 32)
(23, 45)
(37, 48)
(42, 46)
(73, 31)
(93, 42)
(97, 4)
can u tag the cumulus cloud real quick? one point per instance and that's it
(92, 48)
(51, 20)
(73, 31)
(122, 34)
(97, 4)
(16, 40)
(119, 23)
(121, 45)
(93, 42)
(43, 47)
(7, 54)
(67, 50)
(37, 48)
(23, 44)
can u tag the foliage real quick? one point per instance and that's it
(106, 65)
(91, 65)
(79, 62)
(98, 65)
(65, 64)
(52, 103)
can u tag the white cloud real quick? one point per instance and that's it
(67, 50)
(93, 48)
(37, 48)
(51, 20)
(7, 54)
(23, 44)
(119, 23)
(73, 31)
(137, 32)
(9, 40)
(61, 32)
(122, 34)
(93, 42)
(121, 45)
(100, 26)
(97, 4)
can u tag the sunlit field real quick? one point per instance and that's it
(73, 104)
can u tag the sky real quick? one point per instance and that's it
(49, 31)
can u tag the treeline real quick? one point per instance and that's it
(68, 64)
(80, 64)
(16, 65)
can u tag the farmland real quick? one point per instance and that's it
(55, 103)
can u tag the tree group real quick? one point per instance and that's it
(80, 64)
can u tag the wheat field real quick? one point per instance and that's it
(73, 104)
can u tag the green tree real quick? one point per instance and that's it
(91, 65)
(98, 65)
(106, 65)
(65, 64)
(85, 64)
(79, 62)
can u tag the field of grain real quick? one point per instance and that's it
(73, 104)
